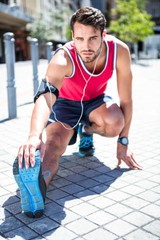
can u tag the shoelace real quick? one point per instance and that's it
(86, 142)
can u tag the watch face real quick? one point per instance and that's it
(124, 141)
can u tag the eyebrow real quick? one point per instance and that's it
(94, 36)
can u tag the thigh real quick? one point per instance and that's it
(107, 120)
(107, 113)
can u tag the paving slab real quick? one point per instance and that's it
(90, 198)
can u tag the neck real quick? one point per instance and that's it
(97, 65)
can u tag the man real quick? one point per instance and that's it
(74, 85)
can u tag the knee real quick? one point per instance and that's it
(115, 123)
(110, 128)
(115, 127)
(55, 146)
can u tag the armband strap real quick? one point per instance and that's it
(45, 87)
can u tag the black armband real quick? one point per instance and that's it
(45, 87)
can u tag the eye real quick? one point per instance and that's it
(93, 38)
(79, 39)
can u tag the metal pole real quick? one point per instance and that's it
(49, 47)
(35, 59)
(10, 61)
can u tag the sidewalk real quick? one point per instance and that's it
(89, 199)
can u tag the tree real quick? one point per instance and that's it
(39, 29)
(58, 23)
(141, 4)
(131, 24)
(50, 25)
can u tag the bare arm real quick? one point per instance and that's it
(56, 71)
(59, 66)
(124, 83)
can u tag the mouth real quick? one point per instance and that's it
(87, 54)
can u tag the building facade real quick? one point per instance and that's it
(15, 15)
(151, 45)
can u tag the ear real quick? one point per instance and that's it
(104, 32)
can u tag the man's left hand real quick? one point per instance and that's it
(124, 154)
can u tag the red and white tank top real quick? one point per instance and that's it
(73, 86)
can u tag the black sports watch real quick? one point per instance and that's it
(123, 140)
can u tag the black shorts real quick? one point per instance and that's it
(70, 112)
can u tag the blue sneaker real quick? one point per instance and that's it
(86, 147)
(32, 187)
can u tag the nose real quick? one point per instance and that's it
(86, 45)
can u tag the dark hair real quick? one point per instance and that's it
(89, 16)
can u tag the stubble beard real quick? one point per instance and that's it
(89, 60)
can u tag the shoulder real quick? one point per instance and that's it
(61, 59)
(59, 66)
(64, 55)
(123, 53)
(122, 47)
(69, 45)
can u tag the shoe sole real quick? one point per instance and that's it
(32, 202)
(89, 154)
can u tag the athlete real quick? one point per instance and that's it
(71, 98)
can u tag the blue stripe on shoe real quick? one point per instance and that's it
(86, 147)
(32, 201)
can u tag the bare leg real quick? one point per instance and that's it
(106, 120)
(57, 139)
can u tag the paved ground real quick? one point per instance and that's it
(90, 199)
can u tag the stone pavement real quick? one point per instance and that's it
(89, 199)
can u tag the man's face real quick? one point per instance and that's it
(88, 42)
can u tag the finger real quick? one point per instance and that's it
(32, 156)
(20, 157)
(128, 161)
(136, 165)
(133, 164)
(43, 148)
(26, 158)
(129, 164)
(119, 162)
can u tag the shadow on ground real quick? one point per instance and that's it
(77, 179)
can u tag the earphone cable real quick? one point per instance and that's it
(83, 93)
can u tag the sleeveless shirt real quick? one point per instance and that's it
(73, 86)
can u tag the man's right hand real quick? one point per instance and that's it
(27, 151)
